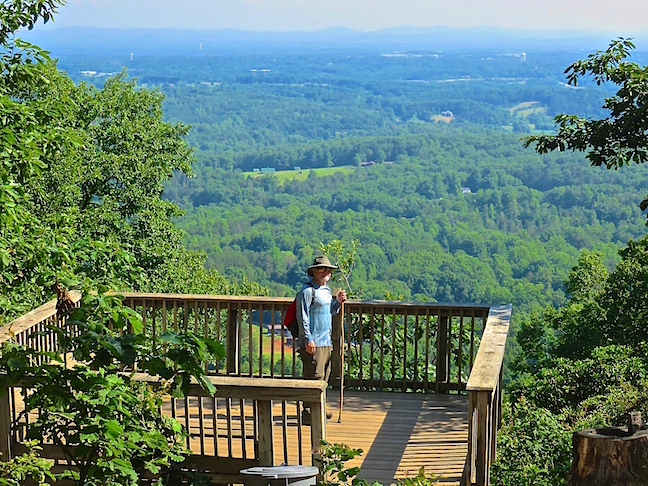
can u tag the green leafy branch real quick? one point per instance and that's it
(28, 466)
(342, 257)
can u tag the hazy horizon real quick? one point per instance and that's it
(404, 29)
(620, 18)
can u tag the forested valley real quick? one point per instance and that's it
(415, 159)
(435, 125)
(513, 238)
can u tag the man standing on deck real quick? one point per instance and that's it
(315, 308)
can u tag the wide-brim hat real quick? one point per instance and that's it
(320, 262)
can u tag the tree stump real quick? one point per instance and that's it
(610, 456)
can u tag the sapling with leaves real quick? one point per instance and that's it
(27, 467)
(335, 471)
(342, 257)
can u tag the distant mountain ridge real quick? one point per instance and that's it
(81, 41)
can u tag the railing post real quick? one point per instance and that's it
(5, 426)
(266, 449)
(472, 440)
(501, 398)
(318, 430)
(484, 437)
(443, 360)
(233, 345)
(481, 436)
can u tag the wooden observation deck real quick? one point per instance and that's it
(421, 386)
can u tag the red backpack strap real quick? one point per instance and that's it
(291, 313)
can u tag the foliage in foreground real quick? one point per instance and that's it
(29, 466)
(534, 443)
(585, 364)
(107, 424)
(534, 447)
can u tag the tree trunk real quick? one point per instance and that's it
(609, 456)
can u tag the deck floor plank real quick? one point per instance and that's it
(401, 432)
(398, 433)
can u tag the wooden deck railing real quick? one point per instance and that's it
(390, 345)
(32, 329)
(485, 397)
(386, 345)
(405, 346)
(250, 329)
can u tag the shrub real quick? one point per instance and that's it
(534, 447)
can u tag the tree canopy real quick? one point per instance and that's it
(81, 179)
(81, 183)
(619, 138)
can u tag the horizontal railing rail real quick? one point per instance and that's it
(485, 397)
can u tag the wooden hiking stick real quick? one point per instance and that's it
(341, 341)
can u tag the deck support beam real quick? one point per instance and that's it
(5, 427)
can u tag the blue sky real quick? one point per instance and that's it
(618, 17)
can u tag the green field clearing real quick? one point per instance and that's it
(539, 109)
(441, 118)
(522, 106)
(527, 108)
(289, 175)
